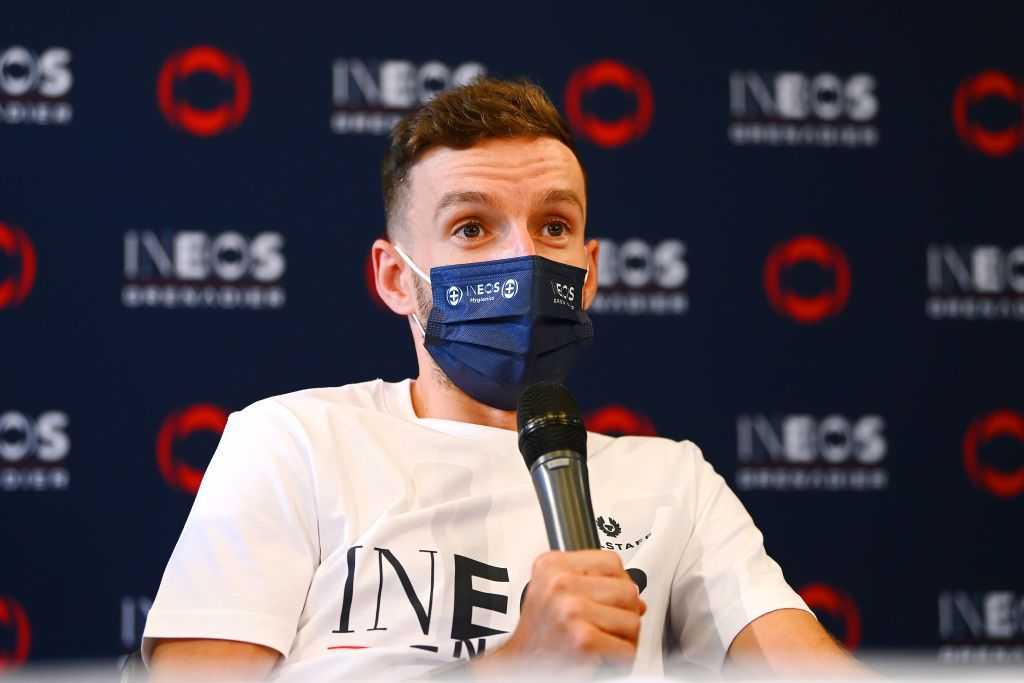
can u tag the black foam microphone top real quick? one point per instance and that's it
(548, 420)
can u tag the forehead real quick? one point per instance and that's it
(515, 168)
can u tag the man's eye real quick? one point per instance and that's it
(556, 228)
(469, 230)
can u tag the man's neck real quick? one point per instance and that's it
(431, 398)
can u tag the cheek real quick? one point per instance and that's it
(424, 300)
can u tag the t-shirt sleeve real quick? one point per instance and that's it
(724, 579)
(246, 556)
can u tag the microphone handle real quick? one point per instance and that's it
(563, 488)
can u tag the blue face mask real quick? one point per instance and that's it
(499, 326)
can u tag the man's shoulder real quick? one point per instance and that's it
(374, 395)
(643, 446)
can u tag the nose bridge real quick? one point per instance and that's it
(521, 239)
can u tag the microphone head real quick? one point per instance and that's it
(548, 420)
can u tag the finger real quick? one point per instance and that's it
(588, 562)
(589, 639)
(605, 590)
(621, 623)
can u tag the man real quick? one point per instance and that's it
(392, 529)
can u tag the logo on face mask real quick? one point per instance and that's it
(454, 295)
(510, 289)
(564, 294)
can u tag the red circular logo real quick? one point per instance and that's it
(619, 420)
(178, 426)
(180, 113)
(614, 74)
(14, 620)
(972, 91)
(820, 596)
(807, 249)
(15, 285)
(984, 475)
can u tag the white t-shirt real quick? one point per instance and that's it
(356, 539)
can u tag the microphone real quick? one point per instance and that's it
(553, 442)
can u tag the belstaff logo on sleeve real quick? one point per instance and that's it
(610, 528)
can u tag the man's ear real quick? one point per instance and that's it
(590, 288)
(391, 276)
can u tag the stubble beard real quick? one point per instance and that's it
(424, 304)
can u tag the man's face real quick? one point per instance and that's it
(498, 199)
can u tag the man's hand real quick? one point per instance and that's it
(581, 608)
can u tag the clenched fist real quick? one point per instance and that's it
(581, 609)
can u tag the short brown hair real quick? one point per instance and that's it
(459, 118)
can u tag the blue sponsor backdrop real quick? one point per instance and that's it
(812, 268)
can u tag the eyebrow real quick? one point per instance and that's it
(557, 196)
(455, 197)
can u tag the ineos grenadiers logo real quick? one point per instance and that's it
(34, 87)
(34, 451)
(17, 265)
(639, 277)
(975, 282)
(789, 301)
(612, 74)
(454, 295)
(976, 106)
(211, 61)
(806, 453)
(1000, 476)
(981, 626)
(180, 474)
(797, 109)
(17, 632)
(370, 97)
(199, 269)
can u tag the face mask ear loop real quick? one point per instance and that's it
(420, 273)
(417, 321)
(410, 263)
(585, 276)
